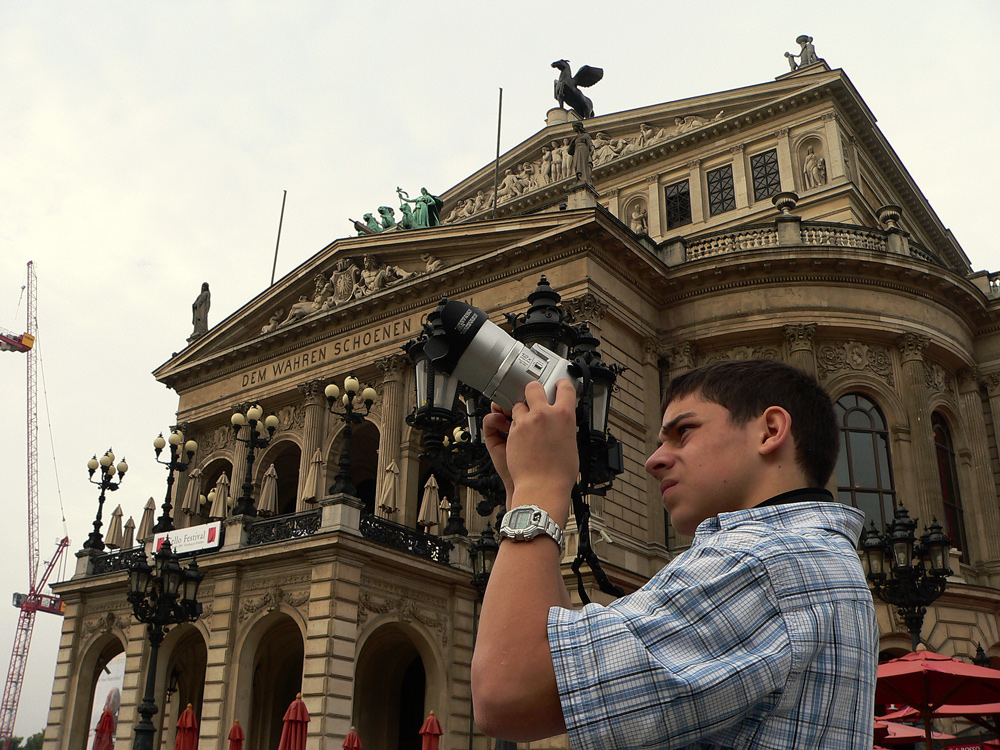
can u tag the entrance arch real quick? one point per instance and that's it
(184, 676)
(91, 694)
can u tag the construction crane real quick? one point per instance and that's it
(34, 601)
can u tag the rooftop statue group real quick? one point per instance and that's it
(425, 212)
(347, 282)
(807, 53)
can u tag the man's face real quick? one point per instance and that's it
(705, 464)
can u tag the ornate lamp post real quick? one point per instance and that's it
(907, 573)
(166, 522)
(254, 418)
(161, 596)
(351, 415)
(106, 464)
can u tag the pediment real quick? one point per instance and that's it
(370, 278)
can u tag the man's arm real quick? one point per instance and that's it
(513, 680)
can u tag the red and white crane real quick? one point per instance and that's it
(34, 601)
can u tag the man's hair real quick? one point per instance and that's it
(746, 388)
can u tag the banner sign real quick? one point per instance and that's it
(192, 539)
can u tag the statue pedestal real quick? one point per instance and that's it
(560, 116)
(341, 512)
(581, 195)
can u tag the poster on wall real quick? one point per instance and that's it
(107, 698)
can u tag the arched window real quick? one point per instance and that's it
(954, 516)
(864, 468)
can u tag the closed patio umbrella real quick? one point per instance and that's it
(296, 723)
(311, 491)
(236, 736)
(191, 504)
(430, 733)
(268, 505)
(187, 730)
(114, 537)
(351, 741)
(128, 537)
(428, 517)
(105, 730)
(387, 503)
(220, 503)
(146, 522)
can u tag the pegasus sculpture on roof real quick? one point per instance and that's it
(567, 87)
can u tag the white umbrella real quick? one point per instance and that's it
(387, 502)
(128, 539)
(268, 505)
(146, 522)
(429, 507)
(191, 506)
(114, 535)
(444, 510)
(220, 503)
(310, 490)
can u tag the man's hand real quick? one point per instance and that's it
(496, 427)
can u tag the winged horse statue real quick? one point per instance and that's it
(568, 87)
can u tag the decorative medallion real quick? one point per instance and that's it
(272, 601)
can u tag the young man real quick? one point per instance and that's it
(762, 635)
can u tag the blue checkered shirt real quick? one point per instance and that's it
(762, 635)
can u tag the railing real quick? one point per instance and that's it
(280, 528)
(407, 540)
(114, 562)
(731, 242)
(843, 236)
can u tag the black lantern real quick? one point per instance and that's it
(258, 438)
(917, 570)
(351, 415)
(107, 483)
(176, 440)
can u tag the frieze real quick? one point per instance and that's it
(938, 379)
(272, 600)
(742, 353)
(405, 609)
(854, 355)
(380, 582)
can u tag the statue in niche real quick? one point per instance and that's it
(274, 322)
(582, 151)
(388, 217)
(638, 221)
(813, 169)
(199, 313)
(345, 278)
(426, 208)
(567, 87)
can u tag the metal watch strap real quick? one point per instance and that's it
(549, 527)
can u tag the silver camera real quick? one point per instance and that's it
(484, 356)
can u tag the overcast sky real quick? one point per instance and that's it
(144, 148)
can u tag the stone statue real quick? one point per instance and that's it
(426, 208)
(808, 52)
(299, 310)
(638, 219)
(375, 276)
(274, 322)
(345, 278)
(432, 264)
(388, 216)
(792, 65)
(567, 87)
(813, 169)
(582, 151)
(199, 313)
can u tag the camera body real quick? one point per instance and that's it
(484, 356)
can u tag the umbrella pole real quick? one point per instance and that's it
(927, 731)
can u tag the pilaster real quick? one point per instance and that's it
(834, 153)
(697, 195)
(983, 500)
(740, 184)
(786, 168)
(800, 346)
(921, 479)
(312, 441)
(220, 699)
(393, 407)
(653, 218)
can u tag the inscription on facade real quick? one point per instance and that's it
(319, 354)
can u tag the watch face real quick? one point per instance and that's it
(521, 518)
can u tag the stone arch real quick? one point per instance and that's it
(813, 162)
(364, 459)
(95, 656)
(399, 677)
(211, 471)
(270, 659)
(873, 387)
(286, 457)
(184, 658)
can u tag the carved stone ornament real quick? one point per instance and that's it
(682, 356)
(405, 609)
(272, 600)
(991, 381)
(938, 379)
(800, 337)
(106, 624)
(856, 356)
(587, 308)
(968, 380)
(393, 367)
(743, 353)
(311, 391)
(214, 440)
(912, 346)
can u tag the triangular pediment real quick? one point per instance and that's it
(377, 277)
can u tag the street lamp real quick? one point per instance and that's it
(161, 596)
(351, 416)
(166, 522)
(905, 572)
(458, 452)
(253, 419)
(106, 464)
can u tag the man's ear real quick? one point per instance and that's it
(776, 431)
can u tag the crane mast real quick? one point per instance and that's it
(34, 600)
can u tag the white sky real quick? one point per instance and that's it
(144, 148)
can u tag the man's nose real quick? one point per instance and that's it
(661, 459)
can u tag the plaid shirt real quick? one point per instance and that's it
(762, 635)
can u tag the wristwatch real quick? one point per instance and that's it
(525, 522)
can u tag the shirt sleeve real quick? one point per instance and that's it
(700, 648)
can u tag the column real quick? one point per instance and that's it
(981, 503)
(312, 440)
(393, 407)
(800, 346)
(921, 495)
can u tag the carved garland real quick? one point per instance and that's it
(856, 356)
(406, 610)
(272, 601)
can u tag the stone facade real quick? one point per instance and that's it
(676, 255)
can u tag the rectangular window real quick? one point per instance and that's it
(721, 193)
(678, 204)
(766, 180)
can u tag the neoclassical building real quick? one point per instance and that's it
(768, 221)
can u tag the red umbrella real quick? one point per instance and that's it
(431, 732)
(986, 715)
(187, 730)
(926, 681)
(904, 734)
(104, 731)
(352, 741)
(236, 737)
(296, 718)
